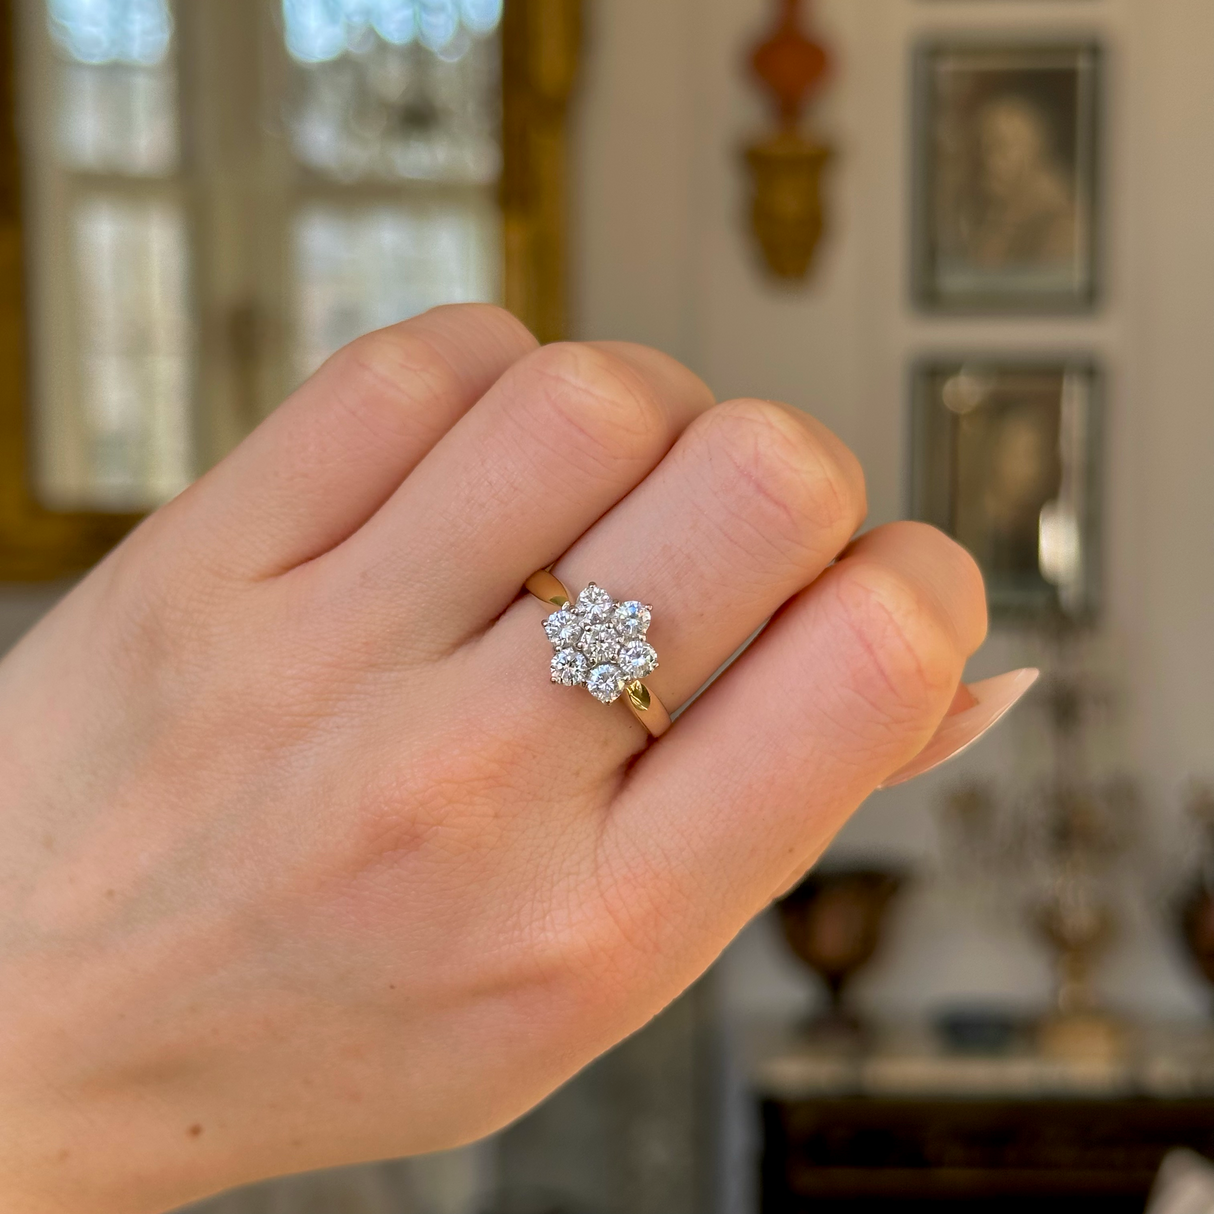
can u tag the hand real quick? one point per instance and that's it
(304, 860)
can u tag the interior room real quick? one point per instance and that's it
(973, 238)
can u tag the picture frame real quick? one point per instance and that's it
(1006, 148)
(1006, 459)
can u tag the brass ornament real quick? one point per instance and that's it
(786, 213)
(786, 167)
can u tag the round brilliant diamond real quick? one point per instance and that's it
(569, 668)
(637, 659)
(631, 619)
(606, 683)
(563, 628)
(600, 643)
(594, 605)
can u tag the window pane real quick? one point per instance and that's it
(134, 370)
(117, 94)
(361, 269)
(396, 88)
(117, 119)
(112, 31)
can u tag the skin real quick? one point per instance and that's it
(303, 860)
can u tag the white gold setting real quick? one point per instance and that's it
(600, 644)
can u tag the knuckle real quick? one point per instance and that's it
(946, 574)
(593, 403)
(912, 657)
(966, 577)
(378, 373)
(683, 383)
(485, 331)
(779, 475)
(490, 315)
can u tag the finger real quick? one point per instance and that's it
(753, 501)
(847, 684)
(336, 450)
(556, 443)
(976, 709)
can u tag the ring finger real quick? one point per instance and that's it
(750, 505)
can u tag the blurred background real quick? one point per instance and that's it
(975, 237)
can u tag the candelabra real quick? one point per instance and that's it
(1056, 849)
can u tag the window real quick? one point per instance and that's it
(113, 426)
(349, 154)
(214, 195)
(398, 93)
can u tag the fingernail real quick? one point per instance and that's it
(975, 709)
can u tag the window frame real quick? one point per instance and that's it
(540, 41)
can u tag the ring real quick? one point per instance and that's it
(602, 645)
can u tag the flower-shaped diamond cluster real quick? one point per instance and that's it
(600, 644)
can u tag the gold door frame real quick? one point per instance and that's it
(540, 41)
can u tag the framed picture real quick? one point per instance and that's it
(1006, 460)
(1006, 168)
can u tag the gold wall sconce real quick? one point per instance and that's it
(786, 167)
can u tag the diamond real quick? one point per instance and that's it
(569, 668)
(637, 659)
(631, 619)
(594, 605)
(563, 628)
(600, 643)
(606, 683)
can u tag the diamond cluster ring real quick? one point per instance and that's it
(602, 645)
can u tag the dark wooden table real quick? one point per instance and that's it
(905, 1128)
(900, 1155)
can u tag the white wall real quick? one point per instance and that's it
(663, 257)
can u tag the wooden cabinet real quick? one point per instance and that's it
(905, 1154)
(903, 1125)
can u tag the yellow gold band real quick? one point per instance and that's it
(548, 588)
